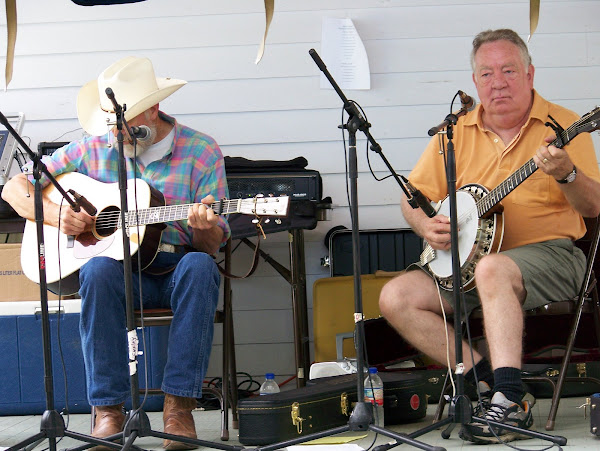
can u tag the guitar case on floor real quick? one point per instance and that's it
(324, 404)
(595, 414)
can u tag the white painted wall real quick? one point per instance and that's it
(418, 53)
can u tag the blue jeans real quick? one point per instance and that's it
(191, 291)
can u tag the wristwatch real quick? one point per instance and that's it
(570, 176)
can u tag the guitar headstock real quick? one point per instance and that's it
(589, 122)
(265, 206)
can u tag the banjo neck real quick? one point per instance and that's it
(489, 201)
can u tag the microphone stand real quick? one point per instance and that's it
(52, 424)
(361, 418)
(137, 423)
(460, 409)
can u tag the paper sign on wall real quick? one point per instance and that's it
(344, 55)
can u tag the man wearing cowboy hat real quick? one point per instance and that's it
(187, 167)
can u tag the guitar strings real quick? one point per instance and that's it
(113, 218)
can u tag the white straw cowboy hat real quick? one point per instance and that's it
(134, 84)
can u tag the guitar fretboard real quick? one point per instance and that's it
(168, 213)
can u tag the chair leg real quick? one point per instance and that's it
(439, 411)
(229, 379)
(233, 384)
(596, 312)
(225, 380)
(565, 363)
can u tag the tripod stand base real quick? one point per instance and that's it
(52, 427)
(361, 416)
(522, 433)
(458, 415)
(137, 424)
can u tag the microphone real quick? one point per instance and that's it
(418, 200)
(467, 101)
(142, 133)
(83, 202)
(468, 104)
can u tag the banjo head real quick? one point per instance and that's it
(468, 221)
(477, 237)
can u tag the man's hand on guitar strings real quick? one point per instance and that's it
(75, 223)
(201, 216)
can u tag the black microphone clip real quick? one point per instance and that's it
(418, 200)
(80, 200)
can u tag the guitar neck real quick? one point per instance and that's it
(487, 202)
(167, 213)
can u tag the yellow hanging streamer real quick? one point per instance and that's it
(269, 7)
(534, 16)
(11, 30)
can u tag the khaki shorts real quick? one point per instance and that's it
(552, 271)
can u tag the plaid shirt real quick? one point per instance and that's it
(191, 169)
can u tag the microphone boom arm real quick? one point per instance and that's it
(359, 123)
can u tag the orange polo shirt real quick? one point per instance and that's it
(534, 211)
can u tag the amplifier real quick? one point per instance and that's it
(302, 185)
(48, 147)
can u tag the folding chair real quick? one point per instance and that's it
(585, 302)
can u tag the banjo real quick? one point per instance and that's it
(481, 221)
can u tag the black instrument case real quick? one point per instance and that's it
(324, 404)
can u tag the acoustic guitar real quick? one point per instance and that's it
(145, 221)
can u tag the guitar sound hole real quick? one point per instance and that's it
(106, 221)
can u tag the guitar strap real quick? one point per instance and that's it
(259, 232)
(163, 271)
(159, 271)
(254, 261)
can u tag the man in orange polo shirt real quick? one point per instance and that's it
(537, 263)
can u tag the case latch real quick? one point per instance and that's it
(344, 404)
(296, 419)
(581, 370)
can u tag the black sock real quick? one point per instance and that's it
(508, 381)
(484, 373)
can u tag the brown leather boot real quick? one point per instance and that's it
(178, 419)
(109, 421)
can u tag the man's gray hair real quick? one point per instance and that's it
(503, 34)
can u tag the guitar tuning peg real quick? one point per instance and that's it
(267, 221)
(255, 221)
(260, 195)
(278, 221)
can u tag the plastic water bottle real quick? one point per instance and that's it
(269, 386)
(374, 395)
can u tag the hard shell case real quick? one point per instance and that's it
(595, 414)
(324, 404)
